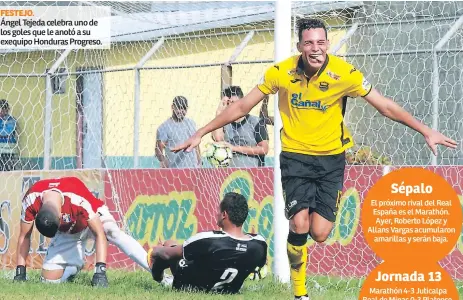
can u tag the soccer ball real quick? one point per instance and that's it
(259, 273)
(218, 155)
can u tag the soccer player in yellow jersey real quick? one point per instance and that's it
(313, 88)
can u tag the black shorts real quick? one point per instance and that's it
(313, 182)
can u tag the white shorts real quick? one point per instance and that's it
(69, 249)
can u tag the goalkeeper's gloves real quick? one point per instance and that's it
(99, 278)
(20, 273)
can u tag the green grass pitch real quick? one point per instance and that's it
(139, 285)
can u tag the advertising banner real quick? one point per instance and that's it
(168, 204)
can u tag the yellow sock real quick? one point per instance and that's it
(297, 256)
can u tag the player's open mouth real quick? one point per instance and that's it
(314, 58)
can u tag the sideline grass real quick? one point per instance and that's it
(139, 285)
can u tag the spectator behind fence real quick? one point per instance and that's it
(173, 131)
(247, 137)
(8, 138)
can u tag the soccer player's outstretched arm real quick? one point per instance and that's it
(101, 245)
(393, 111)
(24, 244)
(232, 113)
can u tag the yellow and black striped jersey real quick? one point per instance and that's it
(312, 109)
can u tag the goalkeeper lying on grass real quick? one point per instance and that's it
(213, 261)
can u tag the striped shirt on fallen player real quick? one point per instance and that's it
(78, 204)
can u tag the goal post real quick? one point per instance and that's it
(136, 108)
(283, 45)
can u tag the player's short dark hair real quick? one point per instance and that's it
(236, 207)
(180, 102)
(47, 221)
(233, 90)
(304, 24)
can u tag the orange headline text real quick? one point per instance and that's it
(16, 13)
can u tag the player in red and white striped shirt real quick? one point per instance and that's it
(64, 209)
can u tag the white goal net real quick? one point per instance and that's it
(104, 109)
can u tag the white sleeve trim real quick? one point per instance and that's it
(28, 201)
(200, 236)
(219, 234)
(260, 238)
(22, 219)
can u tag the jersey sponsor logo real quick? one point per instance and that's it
(241, 247)
(296, 80)
(323, 86)
(66, 218)
(277, 67)
(352, 71)
(297, 102)
(333, 75)
(53, 184)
